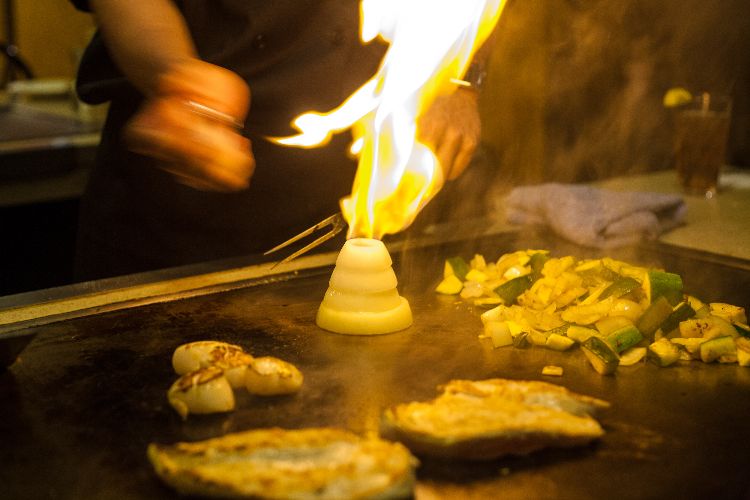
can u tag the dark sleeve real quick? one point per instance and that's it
(99, 80)
(81, 5)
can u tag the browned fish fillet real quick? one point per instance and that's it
(491, 418)
(317, 463)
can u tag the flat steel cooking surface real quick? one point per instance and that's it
(88, 394)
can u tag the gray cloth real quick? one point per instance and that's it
(595, 217)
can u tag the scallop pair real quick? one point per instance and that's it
(211, 370)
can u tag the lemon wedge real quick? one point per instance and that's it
(677, 96)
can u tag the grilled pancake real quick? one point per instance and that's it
(491, 418)
(316, 463)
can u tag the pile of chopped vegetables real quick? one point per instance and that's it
(616, 312)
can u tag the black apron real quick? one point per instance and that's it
(296, 55)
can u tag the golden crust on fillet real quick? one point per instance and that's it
(316, 463)
(491, 418)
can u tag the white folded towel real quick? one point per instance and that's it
(595, 217)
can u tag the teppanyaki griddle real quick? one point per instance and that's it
(86, 397)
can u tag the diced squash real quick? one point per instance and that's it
(580, 333)
(552, 370)
(476, 275)
(743, 351)
(716, 348)
(611, 324)
(663, 352)
(559, 342)
(499, 333)
(691, 345)
(632, 356)
(450, 286)
(733, 314)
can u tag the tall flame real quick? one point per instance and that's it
(431, 44)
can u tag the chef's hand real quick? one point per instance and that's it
(187, 125)
(451, 128)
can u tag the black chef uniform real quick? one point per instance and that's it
(296, 55)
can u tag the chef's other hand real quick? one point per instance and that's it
(190, 124)
(451, 128)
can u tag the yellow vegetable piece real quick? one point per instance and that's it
(555, 371)
(450, 286)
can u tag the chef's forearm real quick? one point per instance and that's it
(144, 37)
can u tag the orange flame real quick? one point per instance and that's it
(431, 44)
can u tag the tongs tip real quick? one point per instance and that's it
(337, 223)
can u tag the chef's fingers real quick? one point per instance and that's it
(207, 84)
(451, 129)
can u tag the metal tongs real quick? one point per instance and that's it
(337, 223)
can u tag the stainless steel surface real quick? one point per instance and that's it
(88, 394)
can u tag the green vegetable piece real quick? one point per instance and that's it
(511, 289)
(559, 342)
(601, 355)
(742, 329)
(621, 286)
(680, 313)
(713, 349)
(668, 285)
(459, 266)
(663, 352)
(580, 333)
(521, 340)
(536, 263)
(654, 316)
(624, 338)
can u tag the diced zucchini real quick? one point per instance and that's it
(536, 263)
(716, 348)
(611, 324)
(632, 356)
(580, 333)
(499, 333)
(458, 266)
(624, 338)
(601, 356)
(691, 345)
(680, 313)
(511, 289)
(521, 340)
(694, 302)
(742, 329)
(559, 342)
(621, 286)
(555, 371)
(450, 286)
(733, 314)
(654, 316)
(663, 352)
(660, 283)
(743, 351)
